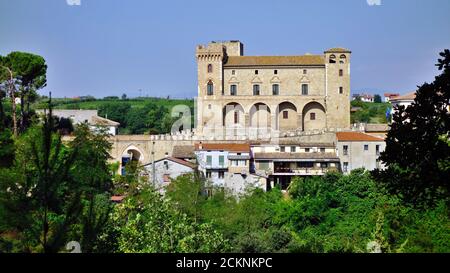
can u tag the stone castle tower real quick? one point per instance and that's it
(263, 94)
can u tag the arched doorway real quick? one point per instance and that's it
(287, 116)
(313, 116)
(131, 155)
(233, 115)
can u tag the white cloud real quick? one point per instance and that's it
(73, 2)
(374, 2)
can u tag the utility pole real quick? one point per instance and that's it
(153, 165)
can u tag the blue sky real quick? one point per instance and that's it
(110, 47)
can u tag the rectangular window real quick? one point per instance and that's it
(292, 149)
(322, 150)
(377, 149)
(166, 164)
(233, 90)
(264, 165)
(275, 72)
(305, 71)
(324, 165)
(366, 147)
(208, 160)
(208, 174)
(256, 90)
(282, 149)
(345, 149)
(221, 174)
(341, 90)
(307, 150)
(341, 72)
(221, 160)
(285, 114)
(233, 72)
(256, 72)
(312, 116)
(210, 89)
(275, 89)
(236, 117)
(345, 169)
(304, 89)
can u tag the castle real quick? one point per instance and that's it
(240, 94)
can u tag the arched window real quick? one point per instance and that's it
(210, 68)
(210, 88)
(343, 59)
(332, 59)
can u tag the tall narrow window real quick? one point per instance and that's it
(236, 117)
(275, 89)
(341, 90)
(345, 167)
(210, 68)
(377, 149)
(304, 89)
(305, 71)
(256, 90)
(275, 72)
(341, 72)
(256, 72)
(210, 88)
(233, 90)
(345, 148)
(312, 116)
(221, 161)
(285, 114)
(208, 160)
(366, 147)
(233, 72)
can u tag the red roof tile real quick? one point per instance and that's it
(356, 136)
(230, 147)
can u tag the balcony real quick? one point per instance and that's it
(303, 171)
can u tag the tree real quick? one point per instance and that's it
(28, 74)
(124, 96)
(377, 98)
(417, 144)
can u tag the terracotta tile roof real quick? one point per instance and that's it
(231, 147)
(409, 96)
(117, 198)
(338, 50)
(182, 162)
(299, 156)
(96, 120)
(356, 136)
(287, 141)
(183, 151)
(391, 95)
(274, 60)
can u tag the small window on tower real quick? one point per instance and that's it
(256, 72)
(341, 72)
(341, 90)
(312, 116)
(210, 68)
(285, 114)
(332, 59)
(209, 106)
(275, 72)
(233, 72)
(343, 59)
(305, 71)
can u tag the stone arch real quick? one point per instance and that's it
(260, 116)
(134, 153)
(287, 116)
(313, 116)
(233, 115)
